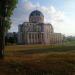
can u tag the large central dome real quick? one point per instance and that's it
(36, 16)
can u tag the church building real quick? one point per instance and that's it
(37, 32)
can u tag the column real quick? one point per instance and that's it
(41, 38)
(31, 38)
(34, 38)
(28, 39)
(37, 38)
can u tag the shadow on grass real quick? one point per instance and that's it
(47, 50)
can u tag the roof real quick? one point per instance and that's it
(36, 13)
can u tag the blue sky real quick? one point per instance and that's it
(70, 8)
(60, 13)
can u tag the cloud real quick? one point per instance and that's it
(53, 14)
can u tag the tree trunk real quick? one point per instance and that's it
(2, 38)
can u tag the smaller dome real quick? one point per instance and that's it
(36, 16)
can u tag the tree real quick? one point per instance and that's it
(6, 10)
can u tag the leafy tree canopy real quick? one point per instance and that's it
(10, 5)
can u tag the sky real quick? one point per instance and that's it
(60, 13)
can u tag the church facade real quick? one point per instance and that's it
(37, 32)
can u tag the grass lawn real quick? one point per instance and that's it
(38, 60)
